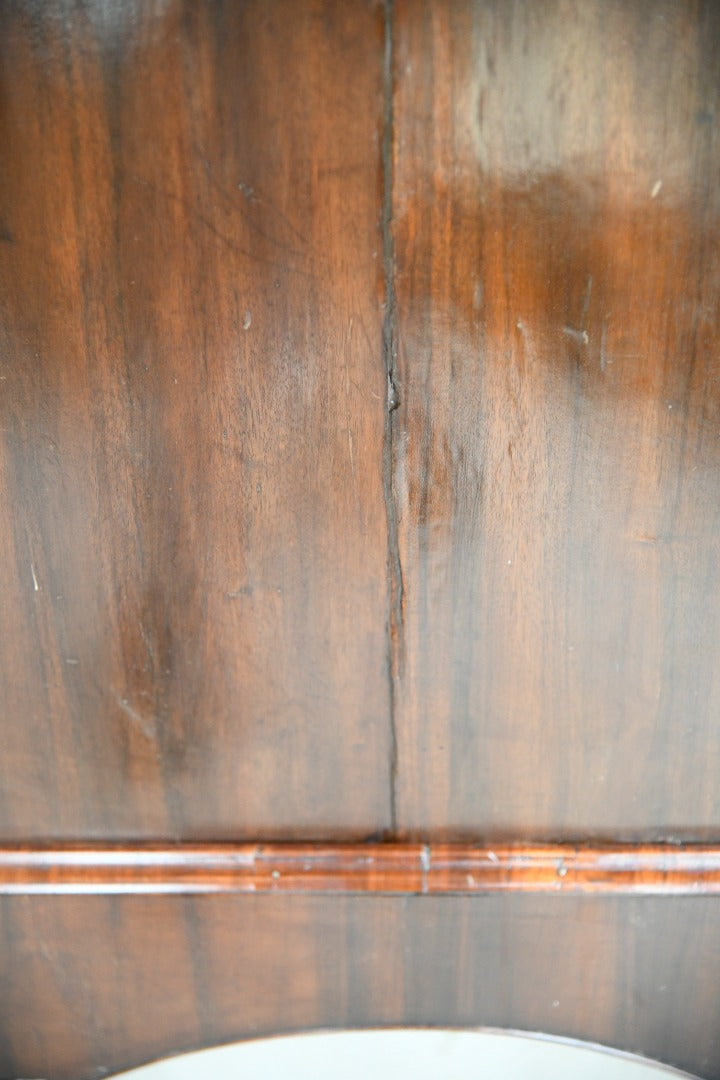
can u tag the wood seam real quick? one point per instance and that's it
(395, 630)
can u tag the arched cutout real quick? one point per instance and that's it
(407, 1054)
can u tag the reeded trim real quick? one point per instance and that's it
(387, 868)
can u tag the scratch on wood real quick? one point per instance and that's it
(603, 339)
(195, 215)
(138, 721)
(586, 301)
(348, 416)
(580, 337)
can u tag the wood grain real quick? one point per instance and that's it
(556, 219)
(230, 236)
(92, 984)
(192, 410)
(354, 869)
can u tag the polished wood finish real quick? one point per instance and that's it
(202, 650)
(93, 984)
(352, 869)
(359, 406)
(192, 532)
(556, 215)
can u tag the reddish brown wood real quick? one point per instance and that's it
(389, 869)
(556, 225)
(192, 524)
(222, 227)
(92, 984)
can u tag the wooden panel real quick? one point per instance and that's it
(557, 442)
(355, 869)
(230, 236)
(103, 982)
(192, 409)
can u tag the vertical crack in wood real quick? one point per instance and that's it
(389, 342)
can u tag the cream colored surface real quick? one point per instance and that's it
(408, 1054)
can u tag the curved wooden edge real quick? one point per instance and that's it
(382, 869)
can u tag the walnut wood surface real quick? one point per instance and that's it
(91, 984)
(557, 445)
(192, 529)
(351, 869)
(240, 601)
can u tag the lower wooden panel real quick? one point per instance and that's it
(93, 984)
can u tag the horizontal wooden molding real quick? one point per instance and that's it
(383, 869)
